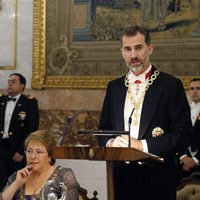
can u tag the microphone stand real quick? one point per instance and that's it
(68, 121)
(129, 128)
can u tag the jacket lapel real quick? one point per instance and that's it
(151, 100)
(16, 111)
(120, 100)
(197, 122)
(2, 112)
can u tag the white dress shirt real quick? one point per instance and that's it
(195, 110)
(136, 90)
(10, 106)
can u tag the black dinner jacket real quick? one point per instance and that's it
(165, 106)
(24, 120)
(195, 142)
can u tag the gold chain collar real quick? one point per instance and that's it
(135, 103)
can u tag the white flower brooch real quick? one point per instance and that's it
(157, 132)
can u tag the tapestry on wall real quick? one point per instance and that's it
(164, 18)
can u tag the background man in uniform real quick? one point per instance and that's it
(19, 116)
(190, 159)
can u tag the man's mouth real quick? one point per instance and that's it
(135, 62)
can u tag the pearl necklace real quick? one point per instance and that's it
(137, 103)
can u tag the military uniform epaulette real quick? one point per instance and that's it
(29, 96)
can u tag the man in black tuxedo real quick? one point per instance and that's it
(190, 159)
(159, 124)
(19, 116)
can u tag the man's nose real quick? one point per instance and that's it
(133, 53)
(9, 82)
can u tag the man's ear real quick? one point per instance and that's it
(151, 49)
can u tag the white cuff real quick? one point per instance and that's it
(109, 142)
(145, 147)
(181, 158)
(196, 161)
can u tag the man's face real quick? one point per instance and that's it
(195, 91)
(14, 86)
(136, 53)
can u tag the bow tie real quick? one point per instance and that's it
(146, 77)
(137, 81)
(11, 99)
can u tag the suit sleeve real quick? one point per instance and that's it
(106, 116)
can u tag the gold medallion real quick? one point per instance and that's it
(135, 122)
(91, 152)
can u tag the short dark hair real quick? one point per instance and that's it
(22, 79)
(194, 80)
(133, 30)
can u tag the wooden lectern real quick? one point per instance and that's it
(108, 154)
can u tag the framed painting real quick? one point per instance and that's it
(8, 41)
(77, 42)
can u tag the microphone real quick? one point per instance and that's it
(103, 132)
(129, 127)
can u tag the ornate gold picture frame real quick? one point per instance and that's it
(69, 52)
(8, 41)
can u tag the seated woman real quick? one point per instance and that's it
(41, 179)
